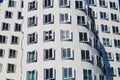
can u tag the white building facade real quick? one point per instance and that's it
(59, 40)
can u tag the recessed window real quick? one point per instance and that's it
(49, 35)
(85, 55)
(117, 56)
(2, 52)
(11, 3)
(3, 39)
(64, 3)
(105, 28)
(17, 27)
(110, 71)
(14, 40)
(68, 73)
(11, 68)
(99, 61)
(32, 5)
(81, 20)
(113, 5)
(12, 53)
(32, 56)
(107, 42)
(66, 35)
(102, 3)
(116, 43)
(83, 37)
(65, 18)
(114, 17)
(92, 2)
(67, 53)
(8, 14)
(101, 77)
(48, 3)
(104, 15)
(49, 54)
(32, 75)
(79, 4)
(48, 19)
(49, 74)
(87, 74)
(118, 71)
(32, 21)
(5, 26)
(115, 29)
(20, 15)
(32, 38)
(96, 43)
(109, 56)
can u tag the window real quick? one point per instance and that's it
(2, 52)
(117, 43)
(101, 77)
(8, 14)
(64, 3)
(20, 15)
(96, 43)
(32, 21)
(11, 3)
(1, 65)
(49, 35)
(17, 27)
(49, 54)
(105, 28)
(48, 3)
(66, 35)
(109, 56)
(32, 38)
(113, 5)
(115, 29)
(99, 61)
(68, 73)
(22, 4)
(102, 3)
(83, 37)
(48, 19)
(85, 55)
(107, 42)
(32, 5)
(3, 39)
(5, 26)
(65, 18)
(87, 74)
(14, 40)
(32, 75)
(79, 4)
(104, 15)
(117, 57)
(67, 53)
(114, 17)
(12, 53)
(32, 56)
(118, 71)
(9, 79)
(81, 20)
(110, 71)
(92, 2)
(92, 13)
(11, 68)
(49, 74)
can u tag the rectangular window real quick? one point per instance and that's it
(114, 17)
(49, 54)
(87, 74)
(20, 15)
(32, 38)
(65, 18)
(5, 26)
(32, 56)
(81, 20)
(49, 35)
(11, 3)
(113, 5)
(32, 5)
(96, 43)
(110, 71)
(14, 40)
(64, 3)
(102, 3)
(68, 73)
(3, 39)
(79, 4)
(49, 74)
(67, 53)
(12, 53)
(104, 15)
(85, 55)
(48, 3)
(8, 14)
(66, 35)
(105, 28)
(107, 42)
(32, 21)
(17, 27)
(116, 29)
(99, 61)
(48, 18)
(83, 37)
(117, 56)
(116, 43)
(32, 75)
(11, 68)
(92, 2)
(2, 52)
(109, 56)
(118, 71)
(101, 77)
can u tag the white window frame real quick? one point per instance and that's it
(69, 76)
(47, 34)
(105, 28)
(11, 3)
(2, 52)
(14, 39)
(32, 38)
(32, 21)
(78, 5)
(108, 72)
(3, 39)
(85, 55)
(66, 35)
(109, 56)
(65, 18)
(32, 56)
(47, 56)
(107, 42)
(47, 3)
(32, 5)
(81, 20)
(48, 18)
(30, 75)
(63, 4)
(49, 74)
(12, 53)
(83, 37)
(12, 68)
